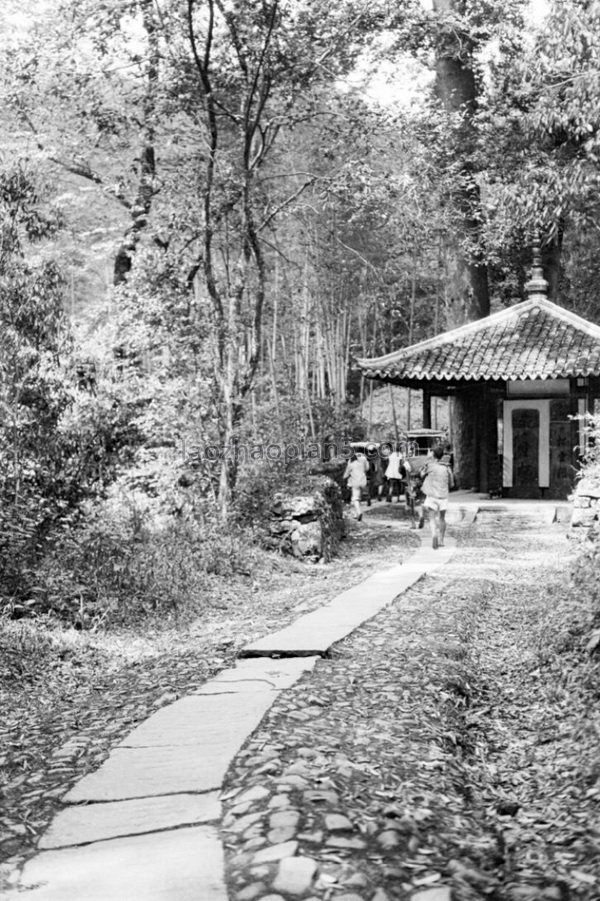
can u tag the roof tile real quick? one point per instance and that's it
(534, 339)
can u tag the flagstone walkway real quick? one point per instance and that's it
(144, 826)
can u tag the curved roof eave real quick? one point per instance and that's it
(535, 339)
(575, 372)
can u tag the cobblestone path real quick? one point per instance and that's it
(422, 760)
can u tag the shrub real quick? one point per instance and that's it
(573, 625)
(131, 556)
(259, 483)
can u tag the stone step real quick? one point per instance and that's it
(177, 865)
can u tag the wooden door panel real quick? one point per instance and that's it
(526, 445)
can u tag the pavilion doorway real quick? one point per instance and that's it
(526, 457)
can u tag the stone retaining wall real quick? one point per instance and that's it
(586, 504)
(308, 526)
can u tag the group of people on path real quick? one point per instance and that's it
(433, 483)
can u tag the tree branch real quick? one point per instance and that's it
(237, 44)
(82, 169)
(285, 203)
(203, 66)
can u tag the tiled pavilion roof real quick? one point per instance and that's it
(535, 339)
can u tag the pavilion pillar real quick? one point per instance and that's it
(464, 412)
(426, 409)
(482, 439)
(496, 393)
(489, 474)
(593, 394)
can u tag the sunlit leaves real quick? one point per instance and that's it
(543, 114)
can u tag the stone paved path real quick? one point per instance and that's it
(360, 783)
(144, 826)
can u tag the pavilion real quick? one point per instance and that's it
(516, 380)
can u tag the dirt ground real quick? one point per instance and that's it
(455, 751)
(67, 697)
(447, 743)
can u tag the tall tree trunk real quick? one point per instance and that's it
(274, 387)
(457, 90)
(551, 262)
(411, 331)
(141, 206)
(467, 280)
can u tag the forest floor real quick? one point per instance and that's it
(452, 741)
(446, 749)
(67, 697)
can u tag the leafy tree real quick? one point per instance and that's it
(50, 460)
(369, 230)
(31, 393)
(542, 121)
(82, 91)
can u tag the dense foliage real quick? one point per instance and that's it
(583, 613)
(50, 459)
(213, 215)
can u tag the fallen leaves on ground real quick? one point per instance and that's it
(459, 758)
(67, 697)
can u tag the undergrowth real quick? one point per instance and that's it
(150, 547)
(569, 642)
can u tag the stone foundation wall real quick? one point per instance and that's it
(586, 504)
(308, 526)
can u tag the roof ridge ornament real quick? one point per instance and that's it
(537, 286)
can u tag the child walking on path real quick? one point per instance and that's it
(438, 481)
(356, 476)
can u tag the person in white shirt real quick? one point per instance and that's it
(395, 474)
(356, 476)
(437, 484)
